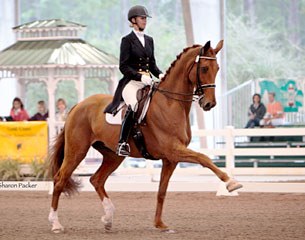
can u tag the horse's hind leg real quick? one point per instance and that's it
(110, 163)
(73, 156)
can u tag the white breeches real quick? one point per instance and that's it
(129, 93)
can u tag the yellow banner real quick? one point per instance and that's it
(24, 141)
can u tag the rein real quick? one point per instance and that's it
(166, 94)
(199, 93)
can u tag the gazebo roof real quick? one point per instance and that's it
(58, 52)
(52, 23)
(53, 42)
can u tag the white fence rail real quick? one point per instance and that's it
(230, 134)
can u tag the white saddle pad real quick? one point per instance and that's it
(118, 118)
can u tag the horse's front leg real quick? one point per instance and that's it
(183, 154)
(166, 173)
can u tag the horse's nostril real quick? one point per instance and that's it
(207, 105)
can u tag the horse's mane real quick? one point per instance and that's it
(178, 57)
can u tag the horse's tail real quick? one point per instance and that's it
(56, 159)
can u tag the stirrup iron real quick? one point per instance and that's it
(123, 149)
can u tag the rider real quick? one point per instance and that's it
(137, 64)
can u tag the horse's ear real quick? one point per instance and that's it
(207, 46)
(219, 46)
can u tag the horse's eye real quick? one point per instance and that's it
(204, 69)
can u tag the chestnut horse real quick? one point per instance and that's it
(167, 132)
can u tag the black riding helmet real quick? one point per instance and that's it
(137, 11)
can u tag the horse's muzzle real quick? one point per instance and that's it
(207, 105)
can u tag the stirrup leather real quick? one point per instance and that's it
(123, 149)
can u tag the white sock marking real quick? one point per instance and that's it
(53, 218)
(109, 211)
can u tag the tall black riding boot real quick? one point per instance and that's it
(123, 148)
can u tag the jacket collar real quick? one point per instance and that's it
(138, 43)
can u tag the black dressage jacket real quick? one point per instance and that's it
(134, 58)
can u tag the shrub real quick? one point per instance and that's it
(10, 170)
(40, 169)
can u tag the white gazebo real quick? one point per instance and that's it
(50, 51)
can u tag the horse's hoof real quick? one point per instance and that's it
(58, 230)
(233, 185)
(168, 231)
(107, 223)
(57, 227)
(164, 228)
(161, 226)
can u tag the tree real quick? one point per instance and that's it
(293, 22)
(249, 11)
(272, 47)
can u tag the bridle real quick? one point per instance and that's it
(200, 87)
(199, 91)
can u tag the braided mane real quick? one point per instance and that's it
(178, 57)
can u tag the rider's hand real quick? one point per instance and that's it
(161, 76)
(146, 79)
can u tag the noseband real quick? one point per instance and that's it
(199, 92)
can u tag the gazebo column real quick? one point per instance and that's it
(80, 84)
(113, 81)
(51, 86)
(21, 88)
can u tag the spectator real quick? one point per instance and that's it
(256, 112)
(61, 113)
(275, 114)
(18, 113)
(6, 119)
(42, 113)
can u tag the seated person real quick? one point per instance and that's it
(6, 119)
(42, 113)
(61, 113)
(256, 111)
(275, 113)
(18, 113)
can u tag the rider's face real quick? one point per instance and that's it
(140, 23)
